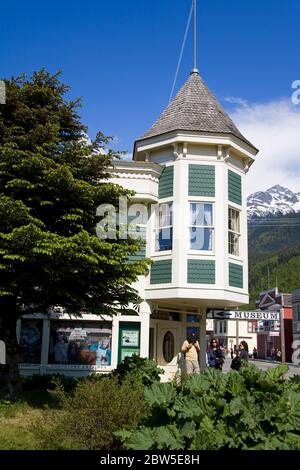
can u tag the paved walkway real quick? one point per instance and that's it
(264, 365)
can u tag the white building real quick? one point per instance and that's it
(231, 332)
(189, 171)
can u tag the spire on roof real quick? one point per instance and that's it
(194, 108)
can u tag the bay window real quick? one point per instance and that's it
(164, 227)
(234, 232)
(201, 226)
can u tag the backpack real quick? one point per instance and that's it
(236, 363)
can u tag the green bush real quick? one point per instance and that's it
(92, 413)
(49, 381)
(250, 409)
(140, 369)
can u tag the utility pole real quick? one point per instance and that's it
(237, 333)
(282, 338)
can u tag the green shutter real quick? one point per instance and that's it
(201, 271)
(202, 180)
(236, 275)
(165, 188)
(141, 253)
(234, 188)
(161, 272)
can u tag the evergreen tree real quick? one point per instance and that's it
(52, 179)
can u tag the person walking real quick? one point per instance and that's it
(215, 355)
(254, 353)
(191, 349)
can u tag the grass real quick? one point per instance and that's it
(20, 422)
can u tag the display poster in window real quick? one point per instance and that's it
(31, 341)
(130, 338)
(128, 352)
(80, 343)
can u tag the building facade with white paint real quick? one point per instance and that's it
(189, 172)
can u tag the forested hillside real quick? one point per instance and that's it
(274, 255)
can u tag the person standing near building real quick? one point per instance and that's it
(278, 356)
(254, 353)
(215, 355)
(191, 349)
(244, 354)
(241, 357)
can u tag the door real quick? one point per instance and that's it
(167, 345)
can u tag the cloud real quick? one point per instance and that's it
(274, 128)
(236, 100)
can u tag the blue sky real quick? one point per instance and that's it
(121, 56)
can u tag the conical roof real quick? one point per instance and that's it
(194, 108)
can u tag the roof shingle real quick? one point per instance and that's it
(194, 108)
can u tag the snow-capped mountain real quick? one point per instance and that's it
(274, 201)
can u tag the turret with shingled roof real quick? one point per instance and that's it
(194, 108)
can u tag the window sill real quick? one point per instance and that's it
(157, 254)
(201, 252)
(235, 258)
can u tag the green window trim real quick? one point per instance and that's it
(236, 275)
(201, 271)
(202, 180)
(166, 182)
(234, 187)
(141, 253)
(161, 272)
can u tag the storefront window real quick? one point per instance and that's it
(192, 318)
(82, 343)
(129, 340)
(192, 330)
(31, 341)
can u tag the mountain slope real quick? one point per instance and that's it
(274, 254)
(274, 201)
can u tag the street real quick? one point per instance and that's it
(264, 365)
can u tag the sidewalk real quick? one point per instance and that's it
(290, 364)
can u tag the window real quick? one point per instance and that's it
(225, 327)
(221, 327)
(81, 343)
(252, 326)
(31, 341)
(168, 346)
(201, 226)
(164, 227)
(215, 327)
(297, 312)
(234, 233)
(192, 318)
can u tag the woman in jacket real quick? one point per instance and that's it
(215, 355)
(242, 355)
